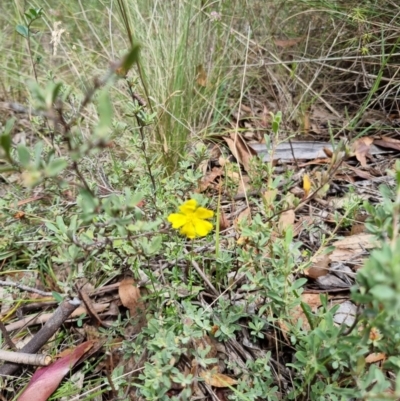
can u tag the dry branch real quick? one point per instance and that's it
(25, 359)
(60, 315)
(25, 288)
(43, 318)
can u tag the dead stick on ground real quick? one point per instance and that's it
(43, 318)
(60, 315)
(204, 277)
(6, 336)
(25, 359)
(25, 288)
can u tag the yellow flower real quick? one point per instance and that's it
(191, 220)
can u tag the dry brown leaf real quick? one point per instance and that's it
(269, 196)
(215, 379)
(361, 147)
(303, 223)
(328, 152)
(352, 248)
(286, 219)
(359, 173)
(201, 76)
(387, 142)
(240, 150)
(313, 301)
(358, 228)
(244, 185)
(284, 43)
(224, 223)
(244, 215)
(316, 161)
(233, 175)
(130, 295)
(210, 178)
(319, 267)
(375, 357)
(322, 114)
(266, 117)
(356, 242)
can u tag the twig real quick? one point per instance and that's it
(45, 317)
(22, 358)
(60, 315)
(25, 288)
(6, 336)
(204, 277)
(90, 307)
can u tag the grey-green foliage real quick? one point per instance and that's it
(331, 361)
(167, 338)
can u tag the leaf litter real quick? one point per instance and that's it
(335, 263)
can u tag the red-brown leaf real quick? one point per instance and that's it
(46, 380)
(361, 148)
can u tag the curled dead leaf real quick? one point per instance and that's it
(286, 219)
(240, 150)
(313, 301)
(130, 296)
(284, 43)
(244, 215)
(214, 378)
(209, 179)
(387, 142)
(319, 267)
(375, 357)
(224, 223)
(361, 148)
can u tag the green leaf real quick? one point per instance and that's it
(9, 126)
(87, 201)
(61, 225)
(5, 138)
(299, 283)
(155, 244)
(58, 297)
(22, 30)
(131, 58)
(34, 13)
(51, 92)
(7, 168)
(383, 292)
(55, 167)
(105, 112)
(24, 156)
(38, 154)
(132, 200)
(52, 227)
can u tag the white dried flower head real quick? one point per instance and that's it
(215, 16)
(56, 36)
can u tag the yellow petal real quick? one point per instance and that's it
(188, 207)
(177, 220)
(306, 185)
(203, 213)
(188, 230)
(202, 227)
